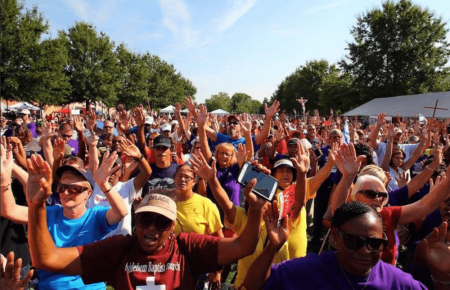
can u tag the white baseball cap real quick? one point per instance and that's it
(166, 127)
(148, 120)
(25, 111)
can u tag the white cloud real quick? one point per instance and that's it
(235, 10)
(90, 12)
(80, 7)
(325, 7)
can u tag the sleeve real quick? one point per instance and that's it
(240, 220)
(131, 191)
(399, 197)
(396, 212)
(100, 218)
(99, 260)
(133, 130)
(409, 149)
(221, 138)
(202, 252)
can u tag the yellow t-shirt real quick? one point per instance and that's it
(243, 264)
(198, 215)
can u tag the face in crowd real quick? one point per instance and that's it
(116, 144)
(162, 153)
(152, 230)
(184, 178)
(311, 132)
(284, 175)
(233, 128)
(225, 155)
(371, 191)
(108, 127)
(65, 132)
(73, 190)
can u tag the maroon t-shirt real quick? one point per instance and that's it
(120, 261)
(390, 215)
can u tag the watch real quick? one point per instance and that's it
(140, 158)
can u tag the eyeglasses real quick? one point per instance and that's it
(66, 136)
(374, 245)
(145, 220)
(161, 148)
(108, 127)
(197, 148)
(185, 177)
(71, 189)
(117, 141)
(235, 123)
(371, 194)
(226, 154)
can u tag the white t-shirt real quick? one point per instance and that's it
(128, 193)
(393, 185)
(408, 148)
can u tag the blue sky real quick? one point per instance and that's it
(246, 46)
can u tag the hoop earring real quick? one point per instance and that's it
(133, 230)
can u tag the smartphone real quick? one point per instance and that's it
(266, 185)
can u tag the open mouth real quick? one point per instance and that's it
(150, 239)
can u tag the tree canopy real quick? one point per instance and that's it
(398, 49)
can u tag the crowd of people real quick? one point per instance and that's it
(141, 200)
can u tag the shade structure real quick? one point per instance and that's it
(219, 112)
(24, 105)
(65, 111)
(168, 110)
(406, 106)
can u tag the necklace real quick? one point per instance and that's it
(345, 275)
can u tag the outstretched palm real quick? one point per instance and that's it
(301, 160)
(347, 162)
(39, 180)
(202, 169)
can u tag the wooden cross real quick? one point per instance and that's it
(435, 108)
(302, 102)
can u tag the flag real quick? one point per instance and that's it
(346, 133)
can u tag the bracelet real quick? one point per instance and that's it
(6, 187)
(108, 190)
(433, 170)
(140, 158)
(445, 283)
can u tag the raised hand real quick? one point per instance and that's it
(402, 178)
(78, 124)
(391, 131)
(91, 140)
(241, 154)
(58, 149)
(7, 162)
(189, 103)
(47, 131)
(380, 119)
(202, 169)
(124, 120)
(346, 160)
(139, 117)
(177, 109)
(202, 115)
(333, 152)
(254, 201)
(279, 135)
(106, 169)
(39, 180)
(301, 160)
(436, 251)
(272, 110)
(91, 122)
(129, 149)
(277, 233)
(246, 124)
(11, 273)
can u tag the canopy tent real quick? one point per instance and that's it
(185, 111)
(24, 105)
(406, 106)
(168, 110)
(219, 112)
(65, 111)
(51, 109)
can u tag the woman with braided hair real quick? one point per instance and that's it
(358, 234)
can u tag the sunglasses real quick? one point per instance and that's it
(66, 136)
(235, 123)
(145, 220)
(374, 245)
(71, 189)
(117, 141)
(108, 127)
(371, 194)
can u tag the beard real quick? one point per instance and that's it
(232, 133)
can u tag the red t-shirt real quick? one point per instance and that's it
(282, 147)
(151, 158)
(120, 261)
(390, 216)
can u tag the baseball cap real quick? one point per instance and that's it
(233, 117)
(148, 120)
(398, 131)
(159, 204)
(293, 141)
(283, 162)
(162, 141)
(25, 111)
(174, 122)
(83, 173)
(166, 127)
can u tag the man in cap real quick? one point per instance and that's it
(25, 113)
(153, 257)
(166, 130)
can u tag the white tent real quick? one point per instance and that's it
(219, 112)
(24, 105)
(168, 110)
(185, 111)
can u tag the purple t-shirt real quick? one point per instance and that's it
(399, 197)
(32, 127)
(73, 144)
(227, 178)
(324, 272)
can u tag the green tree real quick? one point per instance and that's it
(305, 83)
(31, 68)
(93, 69)
(399, 49)
(219, 101)
(245, 103)
(338, 93)
(133, 87)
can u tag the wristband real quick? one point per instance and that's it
(139, 159)
(433, 170)
(108, 190)
(445, 283)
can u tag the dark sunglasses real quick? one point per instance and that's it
(117, 141)
(374, 245)
(235, 123)
(145, 220)
(66, 136)
(108, 127)
(72, 189)
(371, 194)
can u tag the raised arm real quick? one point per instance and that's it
(180, 128)
(301, 163)
(129, 149)
(209, 174)
(374, 134)
(279, 136)
(47, 149)
(428, 203)
(269, 112)
(419, 180)
(202, 118)
(389, 144)
(417, 153)
(44, 254)
(101, 174)
(232, 249)
(139, 117)
(79, 127)
(316, 181)
(246, 126)
(348, 164)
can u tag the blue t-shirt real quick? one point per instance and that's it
(221, 138)
(324, 272)
(91, 227)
